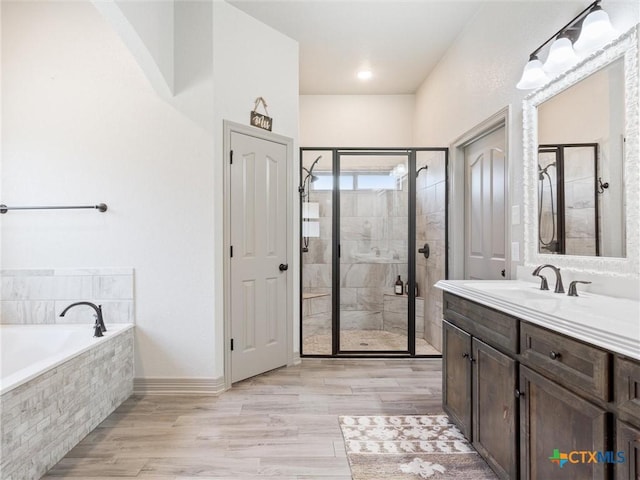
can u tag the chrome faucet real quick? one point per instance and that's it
(377, 250)
(99, 325)
(559, 287)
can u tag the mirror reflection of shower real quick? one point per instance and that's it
(547, 232)
(568, 211)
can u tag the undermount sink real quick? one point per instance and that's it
(609, 322)
(513, 290)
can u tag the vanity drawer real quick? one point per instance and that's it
(627, 389)
(495, 328)
(576, 365)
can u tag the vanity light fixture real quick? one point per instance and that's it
(596, 31)
(591, 28)
(561, 56)
(533, 75)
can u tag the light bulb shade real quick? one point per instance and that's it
(561, 57)
(533, 75)
(596, 32)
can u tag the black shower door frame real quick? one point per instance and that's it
(335, 253)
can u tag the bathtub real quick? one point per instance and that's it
(57, 384)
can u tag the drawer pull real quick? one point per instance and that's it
(518, 393)
(554, 355)
(465, 355)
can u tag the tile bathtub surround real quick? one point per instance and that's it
(46, 417)
(38, 296)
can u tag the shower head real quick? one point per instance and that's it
(312, 167)
(543, 171)
(310, 177)
(426, 167)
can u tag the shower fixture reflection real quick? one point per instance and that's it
(550, 245)
(568, 218)
(309, 228)
(308, 179)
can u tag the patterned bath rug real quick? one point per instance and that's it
(410, 448)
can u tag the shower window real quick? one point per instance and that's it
(358, 181)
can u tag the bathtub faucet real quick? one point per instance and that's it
(99, 326)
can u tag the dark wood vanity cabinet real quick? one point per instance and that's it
(627, 401)
(456, 374)
(628, 441)
(478, 391)
(495, 408)
(552, 417)
(521, 392)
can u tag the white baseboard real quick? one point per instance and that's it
(178, 386)
(296, 359)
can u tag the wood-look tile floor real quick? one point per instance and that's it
(281, 425)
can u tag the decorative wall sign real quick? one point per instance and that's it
(259, 120)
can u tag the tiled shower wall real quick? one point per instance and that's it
(38, 296)
(373, 222)
(431, 228)
(373, 238)
(580, 203)
(374, 252)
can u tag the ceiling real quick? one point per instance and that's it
(399, 41)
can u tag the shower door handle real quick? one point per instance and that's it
(424, 250)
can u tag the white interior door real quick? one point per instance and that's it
(485, 198)
(258, 280)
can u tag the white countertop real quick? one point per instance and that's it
(608, 322)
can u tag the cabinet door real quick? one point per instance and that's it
(495, 409)
(456, 376)
(628, 441)
(627, 382)
(557, 425)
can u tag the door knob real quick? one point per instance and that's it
(283, 267)
(424, 250)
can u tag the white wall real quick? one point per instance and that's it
(477, 76)
(252, 60)
(153, 20)
(356, 120)
(81, 124)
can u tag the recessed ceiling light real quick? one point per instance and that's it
(365, 74)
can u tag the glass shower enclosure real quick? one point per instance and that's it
(373, 243)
